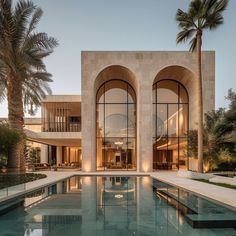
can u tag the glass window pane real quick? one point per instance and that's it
(154, 92)
(154, 120)
(100, 95)
(131, 154)
(161, 120)
(100, 120)
(155, 166)
(183, 96)
(161, 153)
(183, 154)
(116, 92)
(173, 120)
(167, 91)
(100, 154)
(131, 120)
(116, 120)
(170, 118)
(115, 153)
(131, 95)
(183, 120)
(173, 152)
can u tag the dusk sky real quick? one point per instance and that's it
(126, 25)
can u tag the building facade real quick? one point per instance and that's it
(135, 112)
(60, 133)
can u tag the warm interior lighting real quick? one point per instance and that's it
(86, 167)
(145, 181)
(181, 119)
(87, 180)
(145, 166)
(118, 143)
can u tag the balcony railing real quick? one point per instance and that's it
(61, 127)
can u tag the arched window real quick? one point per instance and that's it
(116, 126)
(170, 125)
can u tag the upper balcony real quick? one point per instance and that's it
(61, 113)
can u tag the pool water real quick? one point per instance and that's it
(115, 206)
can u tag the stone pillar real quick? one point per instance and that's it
(144, 129)
(59, 155)
(44, 154)
(88, 112)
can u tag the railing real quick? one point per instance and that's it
(9, 190)
(61, 127)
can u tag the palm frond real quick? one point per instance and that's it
(213, 21)
(28, 60)
(3, 83)
(221, 6)
(7, 22)
(184, 19)
(41, 41)
(22, 51)
(195, 7)
(184, 35)
(43, 76)
(34, 20)
(23, 10)
(34, 91)
(213, 16)
(193, 44)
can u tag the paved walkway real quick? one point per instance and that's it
(217, 193)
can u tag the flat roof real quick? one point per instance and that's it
(62, 98)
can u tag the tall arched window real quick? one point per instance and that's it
(170, 122)
(116, 126)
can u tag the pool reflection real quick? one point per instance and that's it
(104, 206)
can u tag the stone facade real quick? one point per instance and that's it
(141, 69)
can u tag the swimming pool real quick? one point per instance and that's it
(110, 206)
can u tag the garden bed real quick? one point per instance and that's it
(12, 179)
(218, 184)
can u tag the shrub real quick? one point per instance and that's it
(8, 137)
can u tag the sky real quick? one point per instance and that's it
(81, 25)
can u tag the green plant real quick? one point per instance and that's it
(12, 180)
(33, 155)
(219, 139)
(8, 138)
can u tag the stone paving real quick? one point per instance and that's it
(220, 194)
(217, 193)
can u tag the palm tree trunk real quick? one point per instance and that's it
(200, 102)
(16, 162)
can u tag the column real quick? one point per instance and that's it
(44, 154)
(59, 155)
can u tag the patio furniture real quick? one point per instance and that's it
(38, 167)
(68, 166)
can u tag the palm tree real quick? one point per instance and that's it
(23, 75)
(202, 15)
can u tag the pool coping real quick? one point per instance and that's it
(224, 196)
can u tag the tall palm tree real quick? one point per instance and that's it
(23, 75)
(201, 15)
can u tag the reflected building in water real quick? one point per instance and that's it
(125, 205)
